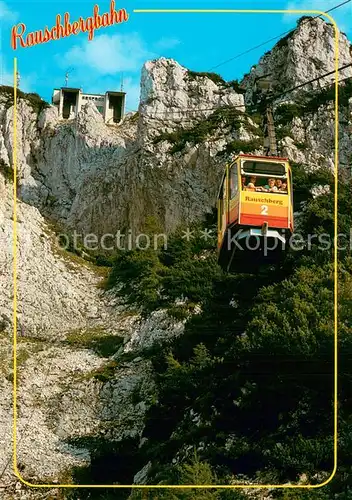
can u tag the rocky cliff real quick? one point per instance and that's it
(164, 161)
(301, 56)
(307, 133)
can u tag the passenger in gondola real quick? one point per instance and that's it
(243, 179)
(251, 184)
(278, 184)
(283, 188)
(270, 187)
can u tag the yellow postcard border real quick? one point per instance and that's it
(203, 486)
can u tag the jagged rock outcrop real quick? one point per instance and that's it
(171, 95)
(165, 161)
(56, 292)
(302, 55)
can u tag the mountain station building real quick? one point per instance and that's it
(69, 102)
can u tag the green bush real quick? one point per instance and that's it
(140, 273)
(214, 77)
(104, 373)
(236, 146)
(101, 343)
(226, 116)
(196, 472)
(218, 80)
(33, 99)
(154, 279)
(285, 113)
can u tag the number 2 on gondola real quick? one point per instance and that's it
(264, 210)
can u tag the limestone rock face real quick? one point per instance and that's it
(170, 95)
(55, 293)
(301, 56)
(164, 161)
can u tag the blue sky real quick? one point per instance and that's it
(197, 41)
